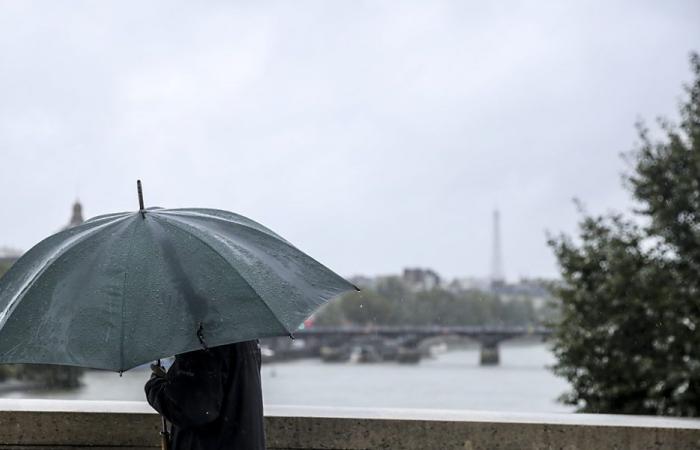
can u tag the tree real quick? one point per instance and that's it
(366, 307)
(4, 267)
(628, 335)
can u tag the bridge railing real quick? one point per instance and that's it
(59, 425)
(390, 330)
(488, 336)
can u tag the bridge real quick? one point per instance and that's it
(411, 336)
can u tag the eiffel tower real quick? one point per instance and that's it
(497, 273)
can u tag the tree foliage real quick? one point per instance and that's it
(628, 338)
(392, 302)
(4, 267)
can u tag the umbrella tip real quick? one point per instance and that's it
(356, 288)
(140, 192)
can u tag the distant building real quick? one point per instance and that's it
(470, 284)
(498, 276)
(9, 256)
(77, 217)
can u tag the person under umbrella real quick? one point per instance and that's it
(212, 397)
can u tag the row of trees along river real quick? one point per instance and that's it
(391, 301)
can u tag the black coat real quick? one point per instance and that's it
(213, 398)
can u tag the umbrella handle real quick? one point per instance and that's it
(164, 433)
(200, 336)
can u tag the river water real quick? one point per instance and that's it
(452, 380)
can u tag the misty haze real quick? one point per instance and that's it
(470, 214)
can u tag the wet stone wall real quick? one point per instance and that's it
(28, 424)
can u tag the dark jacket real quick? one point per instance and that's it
(213, 398)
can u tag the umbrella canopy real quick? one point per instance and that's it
(127, 288)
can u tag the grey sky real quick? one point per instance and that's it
(373, 135)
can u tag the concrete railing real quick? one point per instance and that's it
(33, 424)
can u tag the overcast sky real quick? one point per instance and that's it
(373, 135)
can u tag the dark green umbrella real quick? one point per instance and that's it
(127, 288)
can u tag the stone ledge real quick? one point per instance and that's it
(26, 424)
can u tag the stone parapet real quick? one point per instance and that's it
(35, 424)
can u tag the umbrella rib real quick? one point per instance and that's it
(108, 216)
(54, 256)
(271, 234)
(262, 230)
(200, 239)
(126, 271)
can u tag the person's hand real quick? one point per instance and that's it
(157, 371)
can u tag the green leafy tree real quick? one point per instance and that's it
(627, 338)
(366, 307)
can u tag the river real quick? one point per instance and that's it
(452, 380)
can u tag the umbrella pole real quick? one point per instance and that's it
(164, 434)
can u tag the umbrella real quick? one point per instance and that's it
(127, 288)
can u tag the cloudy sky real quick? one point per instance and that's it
(373, 135)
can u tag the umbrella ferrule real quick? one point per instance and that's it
(142, 210)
